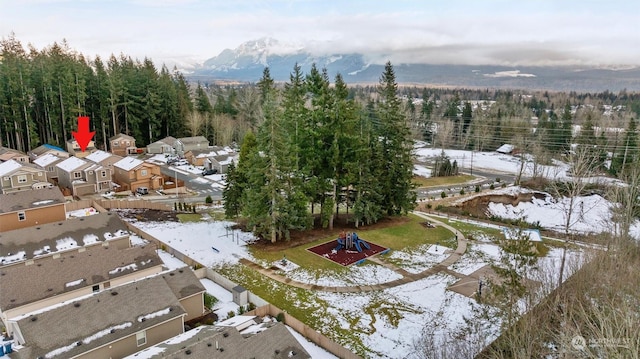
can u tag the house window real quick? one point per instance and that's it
(39, 174)
(115, 144)
(50, 168)
(22, 179)
(128, 143)
(6, 178)
(141, 338)
(22, 216)
(143, 172)
(103, 173)
(90, 172)
(77, 175)
(96, 288)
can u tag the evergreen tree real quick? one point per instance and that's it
(626, 155)
(396, 148)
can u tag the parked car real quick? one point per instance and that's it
(209, 172)
(142, 190)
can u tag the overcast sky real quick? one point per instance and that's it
(508, 32)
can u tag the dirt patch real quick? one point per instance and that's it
(477, 206)
(147, 215)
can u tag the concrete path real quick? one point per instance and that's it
(406, 276)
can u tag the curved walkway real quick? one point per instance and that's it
(406, 276)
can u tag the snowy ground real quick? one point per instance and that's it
(82, 212)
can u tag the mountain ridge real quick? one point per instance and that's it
(247, 62)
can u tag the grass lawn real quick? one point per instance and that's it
(407, 236)
(441, 181)
(189, 217)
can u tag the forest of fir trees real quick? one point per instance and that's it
(317, 151)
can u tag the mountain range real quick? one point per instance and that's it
(247, 62)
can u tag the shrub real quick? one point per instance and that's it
(231, 314)
(251, 306)
(208, 200)
(497, 179)
(175, 206)
(443, 194)
(462, 191)
(439, 207)
(477, 188)
(429, 205)
(241, 310)
(492, 186)
(504, 185)
(280, 317)
(209, 300)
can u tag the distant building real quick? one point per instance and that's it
(184, 144)
(165, 145)
(48, 162)
(74, 149)
(19, 176)
(7, 154)
(122, 145)
(47, 149)
(24, 209)
(132, 173)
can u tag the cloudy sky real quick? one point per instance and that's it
(508, 32)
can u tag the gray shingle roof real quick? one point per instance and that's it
(33, 239)
(183, 283)
(276, 342)
(23, 284)
(119, 309)
(21, 200)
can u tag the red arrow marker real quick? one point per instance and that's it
(83, 136)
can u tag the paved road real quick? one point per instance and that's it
(484, 179)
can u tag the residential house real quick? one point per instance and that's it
(7, 154)
(221, 162)
(132, 173)
(35, 285)
(83, 177)
(18, 176)
(109, 324)
(74, 149)
(24, 209)
(47, 149)
(52, 239)
(122, 145)
(48, 162)
(104, 159)
(265, 340)
(184, 144)
(165, 145)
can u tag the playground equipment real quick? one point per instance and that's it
(351, 240)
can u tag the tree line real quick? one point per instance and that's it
(42, 93)
(317, 151)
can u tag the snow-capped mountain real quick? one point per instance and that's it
(247, 62)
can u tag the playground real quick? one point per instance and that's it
(347, 249)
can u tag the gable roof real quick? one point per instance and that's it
(9, 167)
(47, 159)
(128, 163)
(169, 140)
(193, 140)
(106, 316)
(99, 156)
(44, 148)
(274, 341)
(123, 136)
(183, 283)
(71, 164)
(22, 200)
(24, 284)
(61, 236)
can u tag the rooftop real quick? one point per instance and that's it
(44, 148)
(195, 139)
(128, 163)
(109, 315)
(71, 164)
(98, 156)
(22, 200)
(123, 136)
(24, 284)
(60, 236)
(273, 342)
(46, 159)
(9, 166)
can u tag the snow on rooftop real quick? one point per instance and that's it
(66, 243)
(236, 321)
(47, 159)
(8, 167)
(158, 313)
(10, 258)
(117, 270)
(40, 203)
(128, 163)
(74, 283)
(98, 156)
(90, 239)
(71, 164)
(86, 340)
(82, 212)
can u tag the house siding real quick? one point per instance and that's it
(55, 213)
(127, 346)
(194, 306)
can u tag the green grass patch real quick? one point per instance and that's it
(189, 217)
(441, 181)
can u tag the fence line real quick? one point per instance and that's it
(308, 332)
